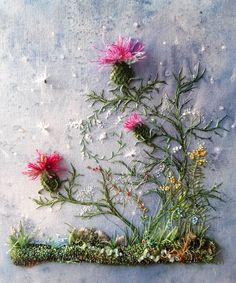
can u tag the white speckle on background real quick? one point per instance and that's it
(223, 47)
(136, 25)
(212, 80)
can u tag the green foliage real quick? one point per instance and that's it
(197, 250)
(179, 220)
(19, 239)
(50, 181)
(124, 97)
(69, 190)
(106, 205)
(85, 140)
(87, 235)
(187, 209)
(181, 210)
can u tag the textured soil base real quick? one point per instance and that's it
(198, 251)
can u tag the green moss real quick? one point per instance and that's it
(203, 250)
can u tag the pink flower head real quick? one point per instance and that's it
(132, 121)
(123, 50)
(43, 163)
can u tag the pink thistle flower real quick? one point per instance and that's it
(123, 50)
(132, 121)
(48, 163)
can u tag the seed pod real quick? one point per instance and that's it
(121, 73)
(143, 133)
(50, 181)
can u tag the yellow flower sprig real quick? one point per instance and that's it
(198, 154)
(173, 184)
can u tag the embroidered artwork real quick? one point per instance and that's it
(154, 190)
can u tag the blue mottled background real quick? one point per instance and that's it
(60, 35)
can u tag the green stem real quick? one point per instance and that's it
(112, 207)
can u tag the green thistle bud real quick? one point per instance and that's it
(143, 133)
(50, 181)
(121, 73)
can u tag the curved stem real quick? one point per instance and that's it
(112, 207)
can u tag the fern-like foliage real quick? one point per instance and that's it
(185, 210)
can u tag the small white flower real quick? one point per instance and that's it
(88, 137)
(189, 113)
(176, 148)
(102, 137)
(74, 124)
(44, 127)
(84, 210)
(86, 193)
(100, 124)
